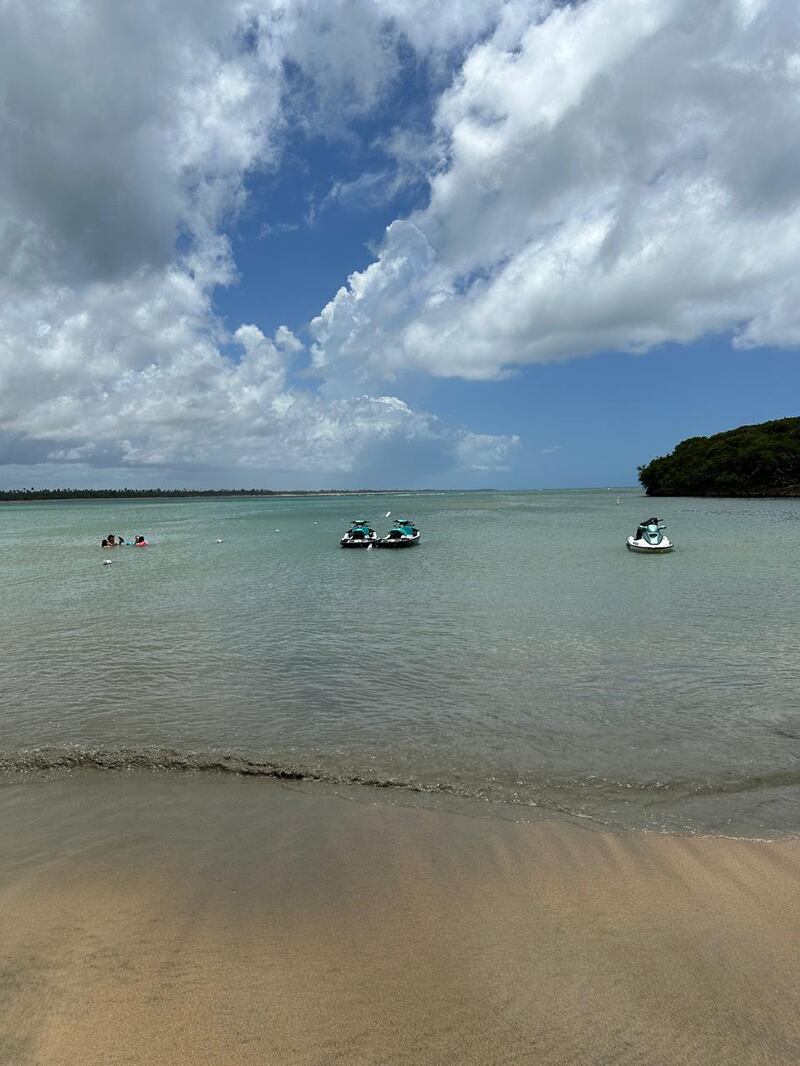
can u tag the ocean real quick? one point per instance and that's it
(517, 663)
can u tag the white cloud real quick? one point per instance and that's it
(138, 378)
(129, 131)
(618, 174)
(268, 229)
(605, 175)
(480, 451)
(366, 321)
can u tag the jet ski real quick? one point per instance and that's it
(649, 538)
(359, 535)
(402, 535)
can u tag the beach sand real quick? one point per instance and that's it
(249, 923)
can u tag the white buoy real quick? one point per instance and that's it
(106, 562)
(219, 540)
(387, 514)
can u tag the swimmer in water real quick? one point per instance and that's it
(139, 542)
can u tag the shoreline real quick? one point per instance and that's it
(89, 495)
(227, 494)
(680, 806)
(156, 920)
(777, 494)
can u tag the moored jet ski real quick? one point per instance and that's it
(359, 535)
(402, 535)
(649, 538)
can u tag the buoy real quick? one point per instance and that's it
(219, 540)
(106, 562)
(387, 514)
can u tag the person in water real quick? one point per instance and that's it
(111, 541)
(139, 542)
(105, 543)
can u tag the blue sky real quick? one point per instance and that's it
(360, 242)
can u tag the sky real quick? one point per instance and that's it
(392, 243)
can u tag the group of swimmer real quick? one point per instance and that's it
(117, 541)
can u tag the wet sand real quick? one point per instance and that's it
(155, 922)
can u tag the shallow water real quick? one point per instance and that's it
(519, 656)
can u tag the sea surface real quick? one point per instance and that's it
(518, 662)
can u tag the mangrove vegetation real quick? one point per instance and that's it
(760, 460)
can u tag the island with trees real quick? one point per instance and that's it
(760, 460)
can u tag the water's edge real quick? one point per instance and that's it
(614, 803)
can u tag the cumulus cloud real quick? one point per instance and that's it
(137, 377)
(482, 451)
(128, 133)
(616, 175)
(601, 175)
(124, 126)
(379, 301)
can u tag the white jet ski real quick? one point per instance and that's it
(403, 534)
(649, 538)
(359, 535)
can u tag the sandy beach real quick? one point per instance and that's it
(251, 924)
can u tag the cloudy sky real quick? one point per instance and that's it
(392, 242)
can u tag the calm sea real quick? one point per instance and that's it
(519, 658)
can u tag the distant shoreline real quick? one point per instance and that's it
(39, 495)
(50, 495)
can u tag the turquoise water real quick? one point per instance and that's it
(518, 657)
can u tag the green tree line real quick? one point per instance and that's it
(16, 495)
(759, 460)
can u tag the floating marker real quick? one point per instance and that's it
(219, 540)
(106, 562)
(387, 514)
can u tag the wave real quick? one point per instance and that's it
(43, 760)
(549, 790)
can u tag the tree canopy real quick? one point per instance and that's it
(759, 460)
(21, 495)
